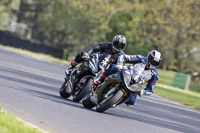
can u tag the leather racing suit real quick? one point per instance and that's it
(103, 47)
(135, 59)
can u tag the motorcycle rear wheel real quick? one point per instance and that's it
(101, 107)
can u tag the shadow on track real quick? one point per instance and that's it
(51, 97)
(156, 117)
(150, 112)
(46, 87)
(30, 75)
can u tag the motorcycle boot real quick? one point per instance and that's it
(70, 68)
(98, 80)
(132, 100)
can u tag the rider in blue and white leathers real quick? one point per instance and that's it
(152, 62)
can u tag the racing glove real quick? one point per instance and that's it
(85, 56)
(145, 92)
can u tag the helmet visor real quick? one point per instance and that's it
(115, 49)
(118, 46)
(154, 63)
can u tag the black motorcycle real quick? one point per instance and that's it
(119, 88)
(79, 82)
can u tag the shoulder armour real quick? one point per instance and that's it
(139, 56)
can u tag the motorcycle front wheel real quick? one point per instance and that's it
(87, 103)
(103, 106)
(65, 91)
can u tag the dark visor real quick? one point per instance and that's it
(119, 46)
(154, 63)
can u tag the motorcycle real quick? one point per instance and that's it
(119, 87)
(78, 84)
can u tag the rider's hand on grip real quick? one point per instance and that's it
(145, 92)
(85, 56)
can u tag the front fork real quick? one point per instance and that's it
(113, 89)
(81, 84)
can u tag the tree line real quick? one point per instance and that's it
(170, 26)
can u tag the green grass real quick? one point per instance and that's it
(166, 77)
(186, 98)
(195, 86)
(10, 124)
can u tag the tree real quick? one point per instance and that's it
(174, 28)
(170, 26)
(5, 12)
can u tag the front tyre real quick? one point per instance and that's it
(65, 91)
(87, 103)
(78, 96)
(101, 107)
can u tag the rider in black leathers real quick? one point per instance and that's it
(115, 49)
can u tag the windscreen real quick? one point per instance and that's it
(134, 76)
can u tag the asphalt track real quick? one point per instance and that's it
(29, 90)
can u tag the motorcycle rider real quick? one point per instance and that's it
(152, 62)
(114, 48)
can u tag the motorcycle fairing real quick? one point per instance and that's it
(111, 79)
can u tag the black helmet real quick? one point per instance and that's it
(119, 42)
(153, 59)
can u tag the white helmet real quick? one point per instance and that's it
(153, 59)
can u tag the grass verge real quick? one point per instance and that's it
(36, 55)
(10, 124)
(180, 96)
